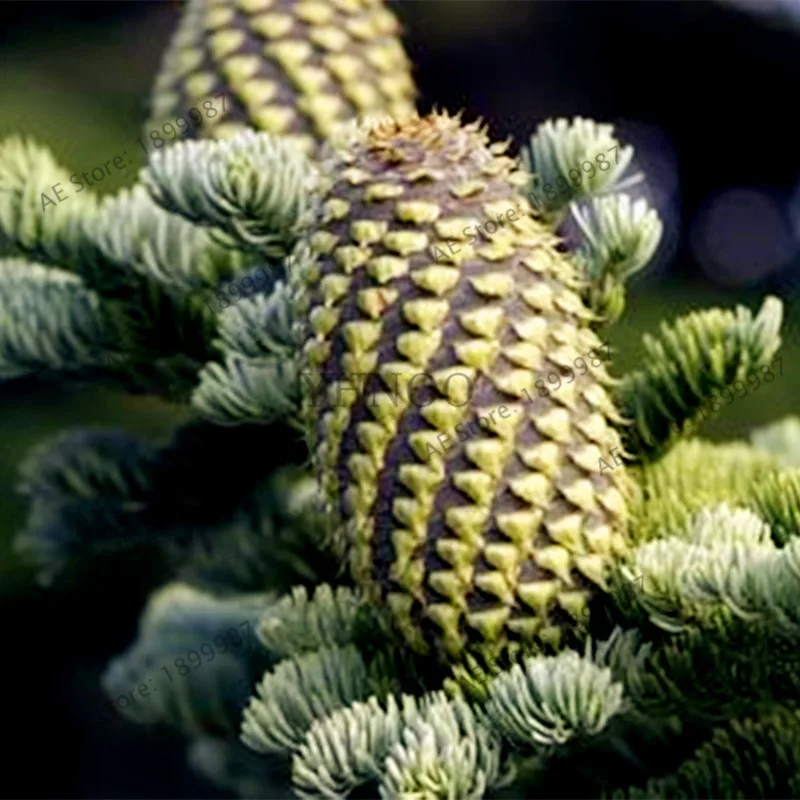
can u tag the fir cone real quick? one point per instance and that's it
(294, 67)
(479, 508)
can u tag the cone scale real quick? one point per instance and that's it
(476, 506)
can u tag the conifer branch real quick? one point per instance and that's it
(620, 237)
(757, 757)
(208, 696)
(163, 339)
(348, 748)
(87, 492)
(753, 663)
(776, 497)
(104, 492)
(548, 701)
(34, 220)
(671, 490)
(256, 188)
(258, 380)
(725, 559)
(446, 753)
(699, 354)
(562, 147)
(297, 623)
(300, 689)
(48, 321)
(132, 231)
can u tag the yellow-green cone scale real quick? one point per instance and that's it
(504, 535)
(293, 67)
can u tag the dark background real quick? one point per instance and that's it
(706, 90)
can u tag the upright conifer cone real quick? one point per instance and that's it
(294, 67)
(474, 527)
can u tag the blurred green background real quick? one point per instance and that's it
(76, 76)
